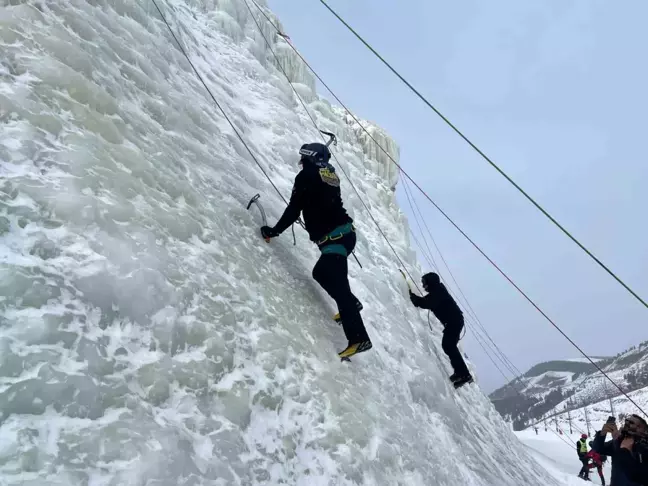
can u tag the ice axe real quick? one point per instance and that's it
(255, 200)
(406, 281)
(332, 138)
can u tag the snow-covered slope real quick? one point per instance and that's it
(596, 413)
(552, 387)
(556, 453)
(148, 336)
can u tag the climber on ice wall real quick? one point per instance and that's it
(316, 193)
(441, 303)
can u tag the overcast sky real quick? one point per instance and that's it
(555, 91)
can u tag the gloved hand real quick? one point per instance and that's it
(267, 232)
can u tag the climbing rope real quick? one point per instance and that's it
(417, 210)
(279, 65)
(485, 157)
(443, 213)
(362, 201)
(479, 337)
(494, 349)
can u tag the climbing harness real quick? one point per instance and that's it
(337, 233)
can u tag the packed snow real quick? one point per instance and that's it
(598, 412)
(556, 453)
(148, 335)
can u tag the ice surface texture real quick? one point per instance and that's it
(148, 335)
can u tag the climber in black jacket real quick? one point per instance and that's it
(441, 303)
(316, 194)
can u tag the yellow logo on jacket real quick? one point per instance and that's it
(329, 177)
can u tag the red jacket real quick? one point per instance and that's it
(596, 457)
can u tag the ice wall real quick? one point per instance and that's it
(148, 336)
(378, 161)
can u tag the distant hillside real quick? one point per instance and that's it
(575, 367)
(552, 386)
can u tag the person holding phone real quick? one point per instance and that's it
(627, 450)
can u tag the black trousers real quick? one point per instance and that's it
(584, 472)
(331, 272)
(451, 336)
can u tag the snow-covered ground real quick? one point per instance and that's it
(557, 454)
(600, 411)
(148, 335)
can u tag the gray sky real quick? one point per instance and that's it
(555, 92)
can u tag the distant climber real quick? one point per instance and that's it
(316, 193)
(441, 303)
(597, 462)
(581, 450)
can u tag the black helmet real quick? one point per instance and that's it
(315, 153)
(430, 280)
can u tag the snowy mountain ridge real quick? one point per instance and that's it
(148, 335)
(552, 387)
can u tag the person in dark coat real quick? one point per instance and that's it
(628, 450)
(444, 307)
(316, 195)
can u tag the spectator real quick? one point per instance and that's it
(581, 450)
(628, 450)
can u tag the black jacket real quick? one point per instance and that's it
(628, 468)
(442, 304)
(316, 193)
(639, 473)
